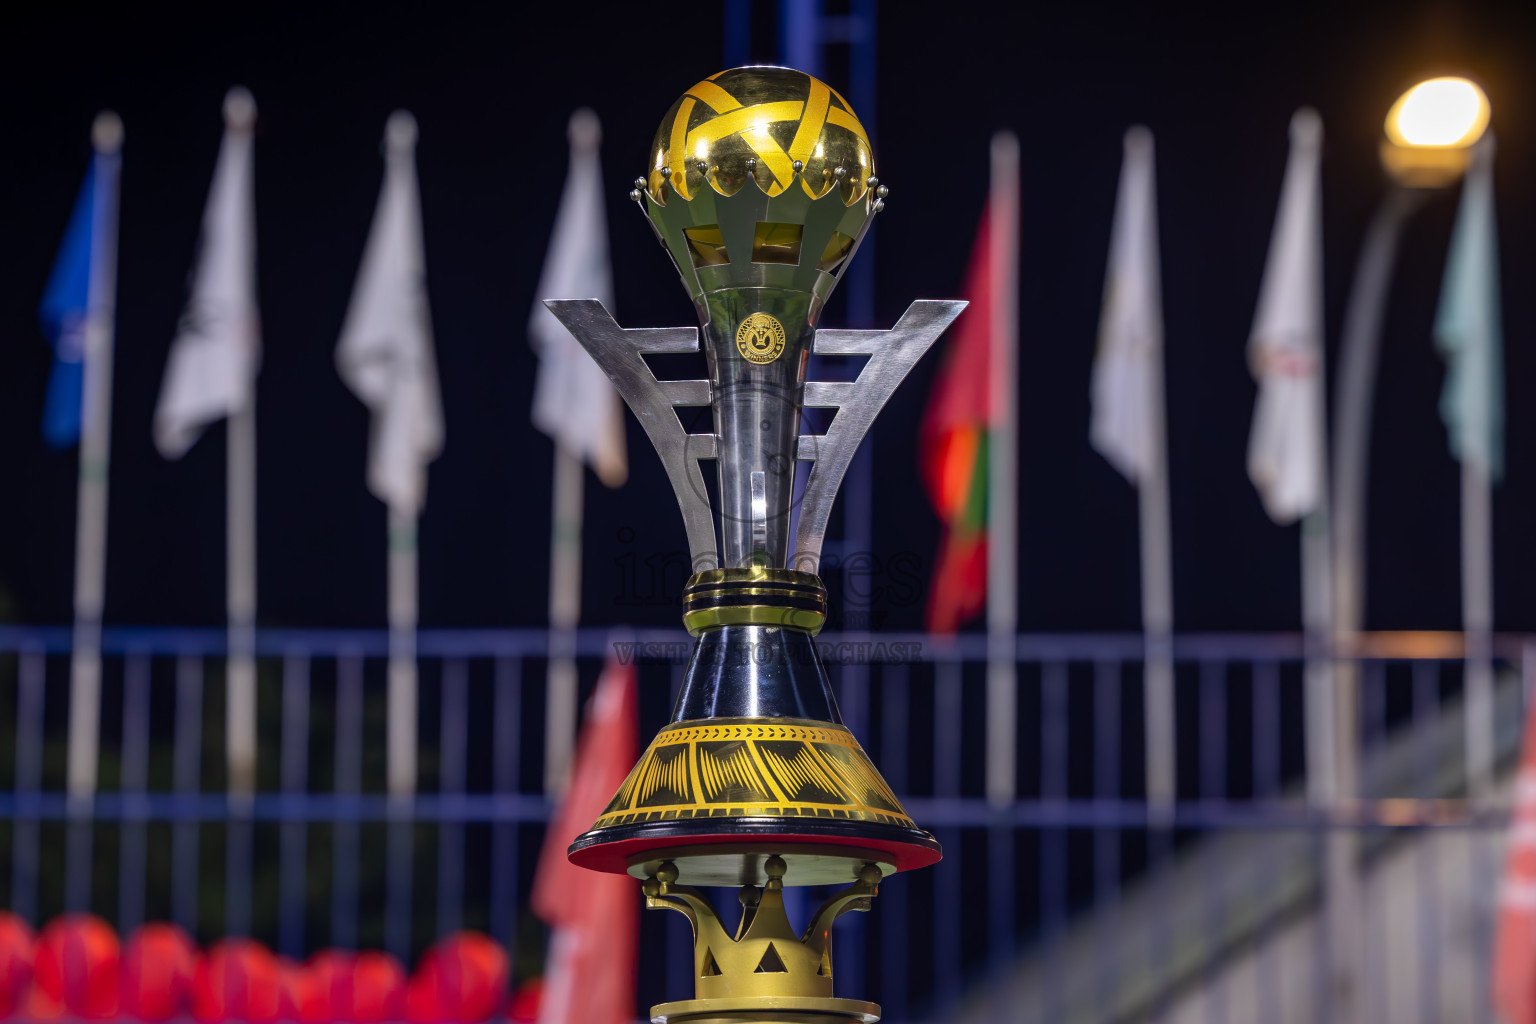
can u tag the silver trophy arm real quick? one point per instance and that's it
(892, 354)
(619, 353)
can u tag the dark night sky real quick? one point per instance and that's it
(492, 88)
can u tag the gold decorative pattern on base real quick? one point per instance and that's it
(738, 767)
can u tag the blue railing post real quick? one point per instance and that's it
(133, 782)
(1106, 842)
(187, 772)
(452, 756)
(30, 678)
(504, 861)
(293, 877)
(349, 783)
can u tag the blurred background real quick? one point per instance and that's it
(1068, 900)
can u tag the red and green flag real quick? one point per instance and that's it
(953, 451)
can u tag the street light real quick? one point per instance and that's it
(1431, 130)
(1428, 137)
(1429, 134)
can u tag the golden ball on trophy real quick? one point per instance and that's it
(765, 124)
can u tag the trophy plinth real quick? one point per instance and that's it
(761, 185)
(765, 973)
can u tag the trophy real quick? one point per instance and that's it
(760, 186)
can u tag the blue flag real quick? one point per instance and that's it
(63, 313)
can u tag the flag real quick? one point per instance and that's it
(1514, 960)
(211, 371)
(385, 352)
(1468, 331)
(596, 917)
(1286, 459)
(1126, 372)
(953, 450)
(573, 400)
(66, 302)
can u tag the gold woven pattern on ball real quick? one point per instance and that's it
(770, 116)
(777, 768)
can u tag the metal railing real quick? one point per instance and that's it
(1072, 903)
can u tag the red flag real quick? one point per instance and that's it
(953, 451)
(1514, 961)
(590, 978)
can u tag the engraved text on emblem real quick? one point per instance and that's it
(760, 338)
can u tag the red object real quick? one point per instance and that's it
(378, 987)
(74, 970)
(295, 988)
(462, 978)
(953, 451)
(158, 964)
(1514, 960)
(596, 917)
(338, 985)
(526, 1002)
(325, 987)
(240, 980)
(16, 949)
(614, 857)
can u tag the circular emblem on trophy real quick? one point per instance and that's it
(760, 338)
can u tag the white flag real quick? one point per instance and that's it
(1127, 372)
(212, 368)
(385, 352)
(1285, 451)
(573, 401)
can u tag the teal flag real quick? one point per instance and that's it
(1468, 332)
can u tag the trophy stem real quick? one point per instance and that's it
(757, 409)
(755, 672)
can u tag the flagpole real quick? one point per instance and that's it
(95, 455)
(564, 613)
(1476, 423)
(1157, 602)
(1002, 476)
(402, 653)
(385, 356)
(1477, 620)
(240, 707)
(1320, 669)
(91, 513)
(240, 539)
(575, 404)
(402, 728)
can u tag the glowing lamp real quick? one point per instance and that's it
(1431, 129)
